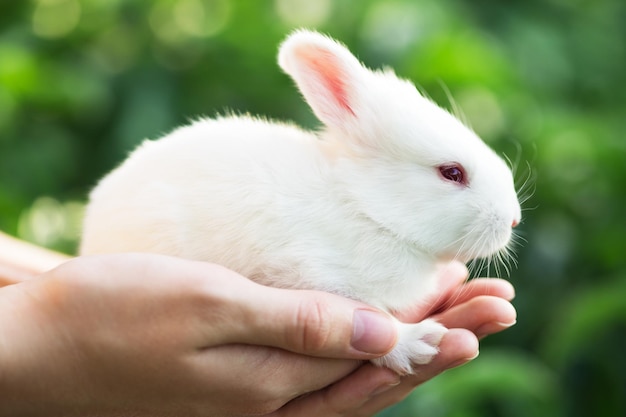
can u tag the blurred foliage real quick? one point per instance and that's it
(83, 81)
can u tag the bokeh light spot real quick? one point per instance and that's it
(55, 18)
(303, 12)
(201, 18)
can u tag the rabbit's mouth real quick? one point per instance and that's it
(487, 247)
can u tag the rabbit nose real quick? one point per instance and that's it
(515, 223)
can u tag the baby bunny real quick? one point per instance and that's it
(367, 208)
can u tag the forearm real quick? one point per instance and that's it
(10, 274)
(20, 260)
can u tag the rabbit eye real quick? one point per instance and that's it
(453, 173)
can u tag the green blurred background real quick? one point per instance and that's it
(83, 81)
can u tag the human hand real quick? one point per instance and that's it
(471, 310)
(143, 356)
(151, 335)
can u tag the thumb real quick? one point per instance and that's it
(314, 323)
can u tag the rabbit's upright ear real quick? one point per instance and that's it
(327, 74)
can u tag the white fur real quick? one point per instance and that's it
(417, 345)
(358, 209)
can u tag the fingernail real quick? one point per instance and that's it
(510, 294)
(491, 328)
(373, 332)
(462, 361)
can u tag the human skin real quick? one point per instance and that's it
(149, 335)
(472, 310)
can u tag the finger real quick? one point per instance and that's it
(371, 389)
(320, 324)
(457, 347)
(263, 373)
(452, 274)
(482, 315)
(459, 294)
(496, 287)
(347, 395)
(308, 322)
(482, 286)
(450, 277)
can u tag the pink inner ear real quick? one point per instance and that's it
(325, 65)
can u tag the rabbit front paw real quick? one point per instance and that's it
(417, 345)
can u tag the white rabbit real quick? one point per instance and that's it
(366, 208)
